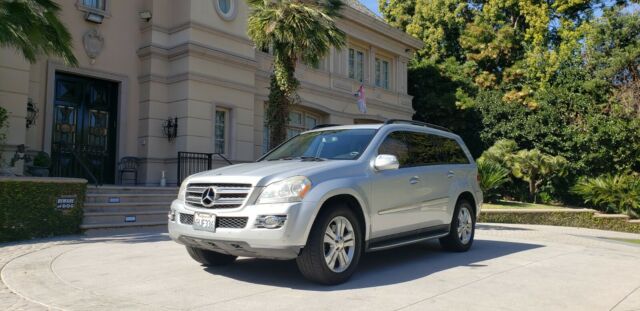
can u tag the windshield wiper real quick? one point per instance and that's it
(281, 158)
(312, 159)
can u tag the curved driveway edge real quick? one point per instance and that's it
(511, 267)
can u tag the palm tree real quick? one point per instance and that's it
(296, 30)
(33, 27)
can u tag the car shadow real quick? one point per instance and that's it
(376, 269)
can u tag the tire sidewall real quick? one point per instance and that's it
(326, 220)
(456, 221)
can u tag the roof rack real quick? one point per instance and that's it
(437, 127)
(319, 126)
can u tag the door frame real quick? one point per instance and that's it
(54, 67)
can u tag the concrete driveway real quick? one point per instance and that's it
(510, 267)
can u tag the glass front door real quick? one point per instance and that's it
(84, 128)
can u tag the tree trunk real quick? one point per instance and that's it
(277, 114)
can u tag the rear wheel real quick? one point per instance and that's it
(334, 247)
(210, 258)
(462, 230)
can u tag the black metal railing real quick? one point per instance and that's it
(67, 162)
(190, 163)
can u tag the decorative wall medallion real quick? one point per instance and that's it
(93, 43)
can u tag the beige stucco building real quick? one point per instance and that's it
(148, 61)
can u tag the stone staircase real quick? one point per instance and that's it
(120, 207)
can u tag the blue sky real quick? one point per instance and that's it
(372, 5)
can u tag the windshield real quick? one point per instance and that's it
(322, 145)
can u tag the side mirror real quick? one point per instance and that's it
(384, 162)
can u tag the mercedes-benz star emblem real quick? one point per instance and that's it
(208, 197)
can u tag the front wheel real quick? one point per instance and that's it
(333, 248)
(462, 229)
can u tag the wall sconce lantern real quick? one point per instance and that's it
(170, 128)
(32, 113)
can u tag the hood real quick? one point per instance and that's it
(265, 172)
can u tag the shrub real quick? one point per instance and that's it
(492, 177)
(42, 159)
(566, 219)
(535, 168)
(612, 193)
(28, 207)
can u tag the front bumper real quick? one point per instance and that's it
(281, 243)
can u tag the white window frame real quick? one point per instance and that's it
(382, 77)
(91, 9)
(231, 14)
(356, 69)
(226, 129)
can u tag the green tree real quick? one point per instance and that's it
(296, 30)
(535, 168)
(614, 193)
(33, 28)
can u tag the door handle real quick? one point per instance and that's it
(414, 180)
(450, 174)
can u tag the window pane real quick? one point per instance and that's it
(455, 154)
(378, 72)
(291, 132)
(310, 122)
(351, 64)
(395, 144)
(360, 66)
(295, 118)
(220, 129)
(225, 6)
(385, 74)
(96, 4)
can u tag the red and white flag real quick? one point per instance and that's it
(362, 102)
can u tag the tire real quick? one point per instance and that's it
(210, 258)
(460, 242)
(311, 261)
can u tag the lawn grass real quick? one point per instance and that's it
(634, 241)
(518, 205)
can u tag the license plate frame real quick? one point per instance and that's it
(204, 222)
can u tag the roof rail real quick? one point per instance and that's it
(319, 126)
(412, 122)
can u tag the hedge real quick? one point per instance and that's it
(28, 207)
(581, 220)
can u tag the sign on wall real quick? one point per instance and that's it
(66, 202)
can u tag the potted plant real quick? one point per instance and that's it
(41, 164)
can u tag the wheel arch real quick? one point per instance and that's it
(353, 201)
(467, 195)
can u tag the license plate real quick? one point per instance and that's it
(204, 222)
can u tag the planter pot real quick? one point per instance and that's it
(38, 171)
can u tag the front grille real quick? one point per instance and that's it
(186, 219)
(227, 195)
(221, 222)
(231, 222)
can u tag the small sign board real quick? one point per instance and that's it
(129, 218)
(66, 202)
(114, 200)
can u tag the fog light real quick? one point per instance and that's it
(172, 215)
(270, 221)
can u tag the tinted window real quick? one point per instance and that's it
(329, 144)
(419, 149)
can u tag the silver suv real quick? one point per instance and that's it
(329, 194)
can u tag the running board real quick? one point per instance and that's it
(407, 238)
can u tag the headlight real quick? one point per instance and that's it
(289, 190)
(183, 190)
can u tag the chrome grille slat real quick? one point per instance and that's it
(228, 195)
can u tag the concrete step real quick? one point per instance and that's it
(111, 189)
(126, 207)
(117, 225)
(111, 198)
(124, 218)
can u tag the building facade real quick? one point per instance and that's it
(144, 64)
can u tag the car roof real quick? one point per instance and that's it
(376, 126)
